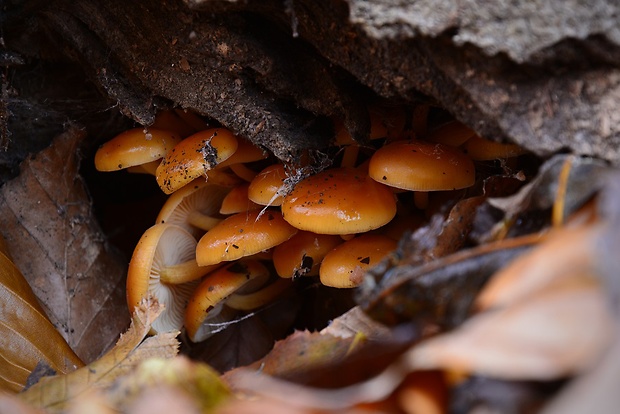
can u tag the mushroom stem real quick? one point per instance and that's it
(202, 221)
(184, 272)
(243, 172)
(148, 168)
(255, 300)
(420, 199)
(349, 156)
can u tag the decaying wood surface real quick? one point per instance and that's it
(543, 74)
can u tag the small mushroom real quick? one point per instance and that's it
(169, 120)
(244, 301)
(344, 266)
(246, 153)
(210, 295)
(193, 157)
(339, 201)
(237, 201)
(192, 119)
(243, 234)
(163, 264)
(481, 149)
(421, 167)
(195, 207)
(453, 133)
(302, 254)
(267, 187)
(134, 147)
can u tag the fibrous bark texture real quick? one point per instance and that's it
(544, 74)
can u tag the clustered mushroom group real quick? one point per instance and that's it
(237, 226)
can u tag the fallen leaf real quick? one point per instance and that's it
(247, 337)
(565, 251)
(352, 348)
(55, 393)
(558, 331)
(47, 221)
(439, 292)
(583, 180)
(27, 337)
(593, 392)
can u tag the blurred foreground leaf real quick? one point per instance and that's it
(27, 337)
(55, 393)
(52, 235)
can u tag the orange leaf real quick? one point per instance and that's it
(27, 337)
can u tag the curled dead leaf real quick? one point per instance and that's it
(27, 337)
(47, 220)
(55, 393)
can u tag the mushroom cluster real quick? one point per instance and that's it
(237, 227)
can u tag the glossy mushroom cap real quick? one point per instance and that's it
(243, 234)
(135, 147)
(237, 201)
(266, 188)
(302, 254)
(339, 201)
(193, 157)
(213, 290)
(246, 153)
(163, 248)
(421, 166)
(344, 266)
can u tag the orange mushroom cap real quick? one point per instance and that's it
(135, 147)
(164, 248)
(243, 234)
(339, 201)
(266, 188)
(453, 133)
(246, 152)
(170, 121)
(344, 266)
(302, 254)
(237, 201)
(481, 149)
(421, 166)
(212, 292)
(193, 157)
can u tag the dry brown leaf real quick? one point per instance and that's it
(558, 331)
(355, 322)
(565, 251)
(55, 393)
(594, 392)
(351, 349)
(27, 337)
(47, 221)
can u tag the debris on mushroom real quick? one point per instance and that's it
(212, 292)
(267, 187)
(193, 157)
(344, 266)
(339, 201)
(421, 167)
(243, 234)
(302, 254)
